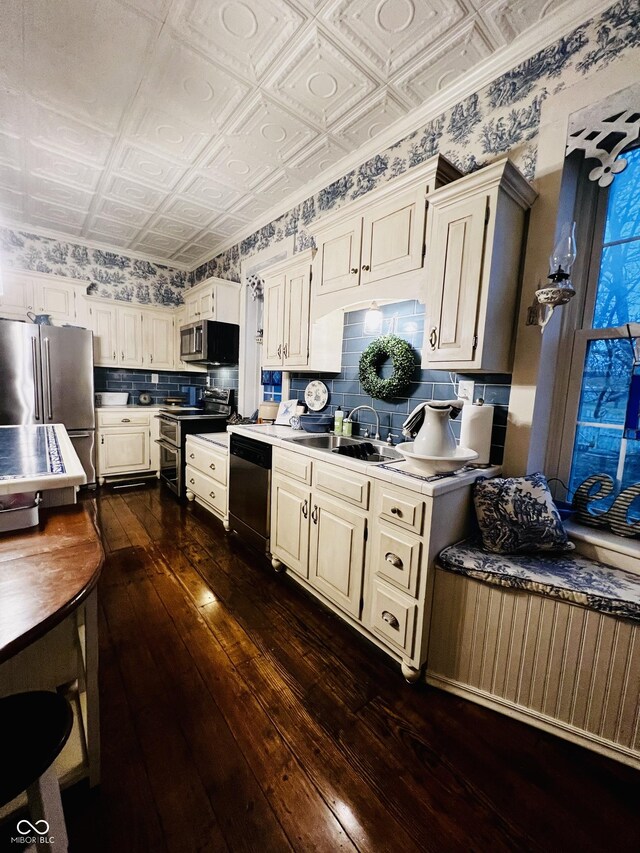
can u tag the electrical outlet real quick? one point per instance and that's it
(154, 378)
(466, 388)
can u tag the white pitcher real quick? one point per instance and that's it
(435, 437)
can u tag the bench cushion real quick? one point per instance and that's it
(569, 577)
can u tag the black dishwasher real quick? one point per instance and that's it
(250, 490)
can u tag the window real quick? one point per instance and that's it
(271, 381)
(605, 363)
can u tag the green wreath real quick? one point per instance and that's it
(404, 363)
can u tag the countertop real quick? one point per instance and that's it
(46, 572)
(35, 457)
(221, 439)
(400, 473)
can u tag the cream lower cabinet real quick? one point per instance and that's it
(365, 547)
(206, 475)
(126, 442)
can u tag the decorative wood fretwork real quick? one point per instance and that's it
(603, 139)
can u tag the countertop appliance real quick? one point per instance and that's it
(250, 490)
(210, 342)
(46, 376)
(177, 422)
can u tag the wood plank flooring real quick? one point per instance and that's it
(238, 714)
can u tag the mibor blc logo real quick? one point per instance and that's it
(32, 833)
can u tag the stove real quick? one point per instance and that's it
(177, 422)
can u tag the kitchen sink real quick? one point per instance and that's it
(364, 449)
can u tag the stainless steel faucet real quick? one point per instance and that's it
(371, 409)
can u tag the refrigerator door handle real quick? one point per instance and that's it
(47, 378)
(36, 390)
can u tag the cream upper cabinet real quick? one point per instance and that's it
(213, 299)
(41, 294)
(103, 320)
(159, 344)
(286, 313)
(130, 337)
(378, 237)
(475, 239)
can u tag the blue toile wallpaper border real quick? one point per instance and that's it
(502, 118)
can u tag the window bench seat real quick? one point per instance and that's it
(551, 640)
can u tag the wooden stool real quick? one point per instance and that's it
(34, 728)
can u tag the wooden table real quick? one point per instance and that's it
(48, 577)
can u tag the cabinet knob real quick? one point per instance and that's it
(395, 561)
(192, 456)
(390, 619)
(102, 439)
(366, 267)
(192, 481)
(433, 337)
(396, 511)
(354, 270)
(212, 494)
(212, 466)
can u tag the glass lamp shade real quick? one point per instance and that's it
(564, 253)
(373, 320)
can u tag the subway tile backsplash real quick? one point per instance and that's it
(168, 384)
(405, 319)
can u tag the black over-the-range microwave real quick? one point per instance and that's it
(210, 342)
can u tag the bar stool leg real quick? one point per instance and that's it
(45, 804)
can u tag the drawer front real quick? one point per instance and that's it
(402, 508)
(207, 461)
(342, 483)
(207, 489)
(393, 617)
(292, 465)
(396, 558)
(123, 418)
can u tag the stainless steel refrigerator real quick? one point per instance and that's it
(46, 376)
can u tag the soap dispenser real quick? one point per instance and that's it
(338, 420)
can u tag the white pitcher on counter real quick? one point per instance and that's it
(435, 436)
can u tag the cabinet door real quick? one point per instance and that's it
(454, 273)
(17, 296)
(393, 237)
(296, 319)
(56, 299)
(206, 306)
(225, 304)
(103, 320)
(337, 552)
(192, 308)
(274, 301)
(338, 258)
(123, 450)
(130, 347)
(290, 508)
(159, 343)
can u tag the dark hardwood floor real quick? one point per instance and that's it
(238, 714)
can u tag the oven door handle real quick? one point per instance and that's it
(167, 445)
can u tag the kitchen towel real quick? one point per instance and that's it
(475, 430)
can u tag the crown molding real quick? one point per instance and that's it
(544, 33)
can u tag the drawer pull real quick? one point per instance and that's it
(212, 466)
(433, 338)
(212, 494)
(396, 511)
(390, 619)
(126, 420)
(314, 514)
(395, 561)
(192, 456)
(192, 481)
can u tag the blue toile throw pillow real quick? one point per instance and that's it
(517, 515)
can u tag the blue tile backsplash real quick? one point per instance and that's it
(168, 384)
(405, 319)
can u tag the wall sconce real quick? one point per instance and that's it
(373, 321)
(560, 291)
